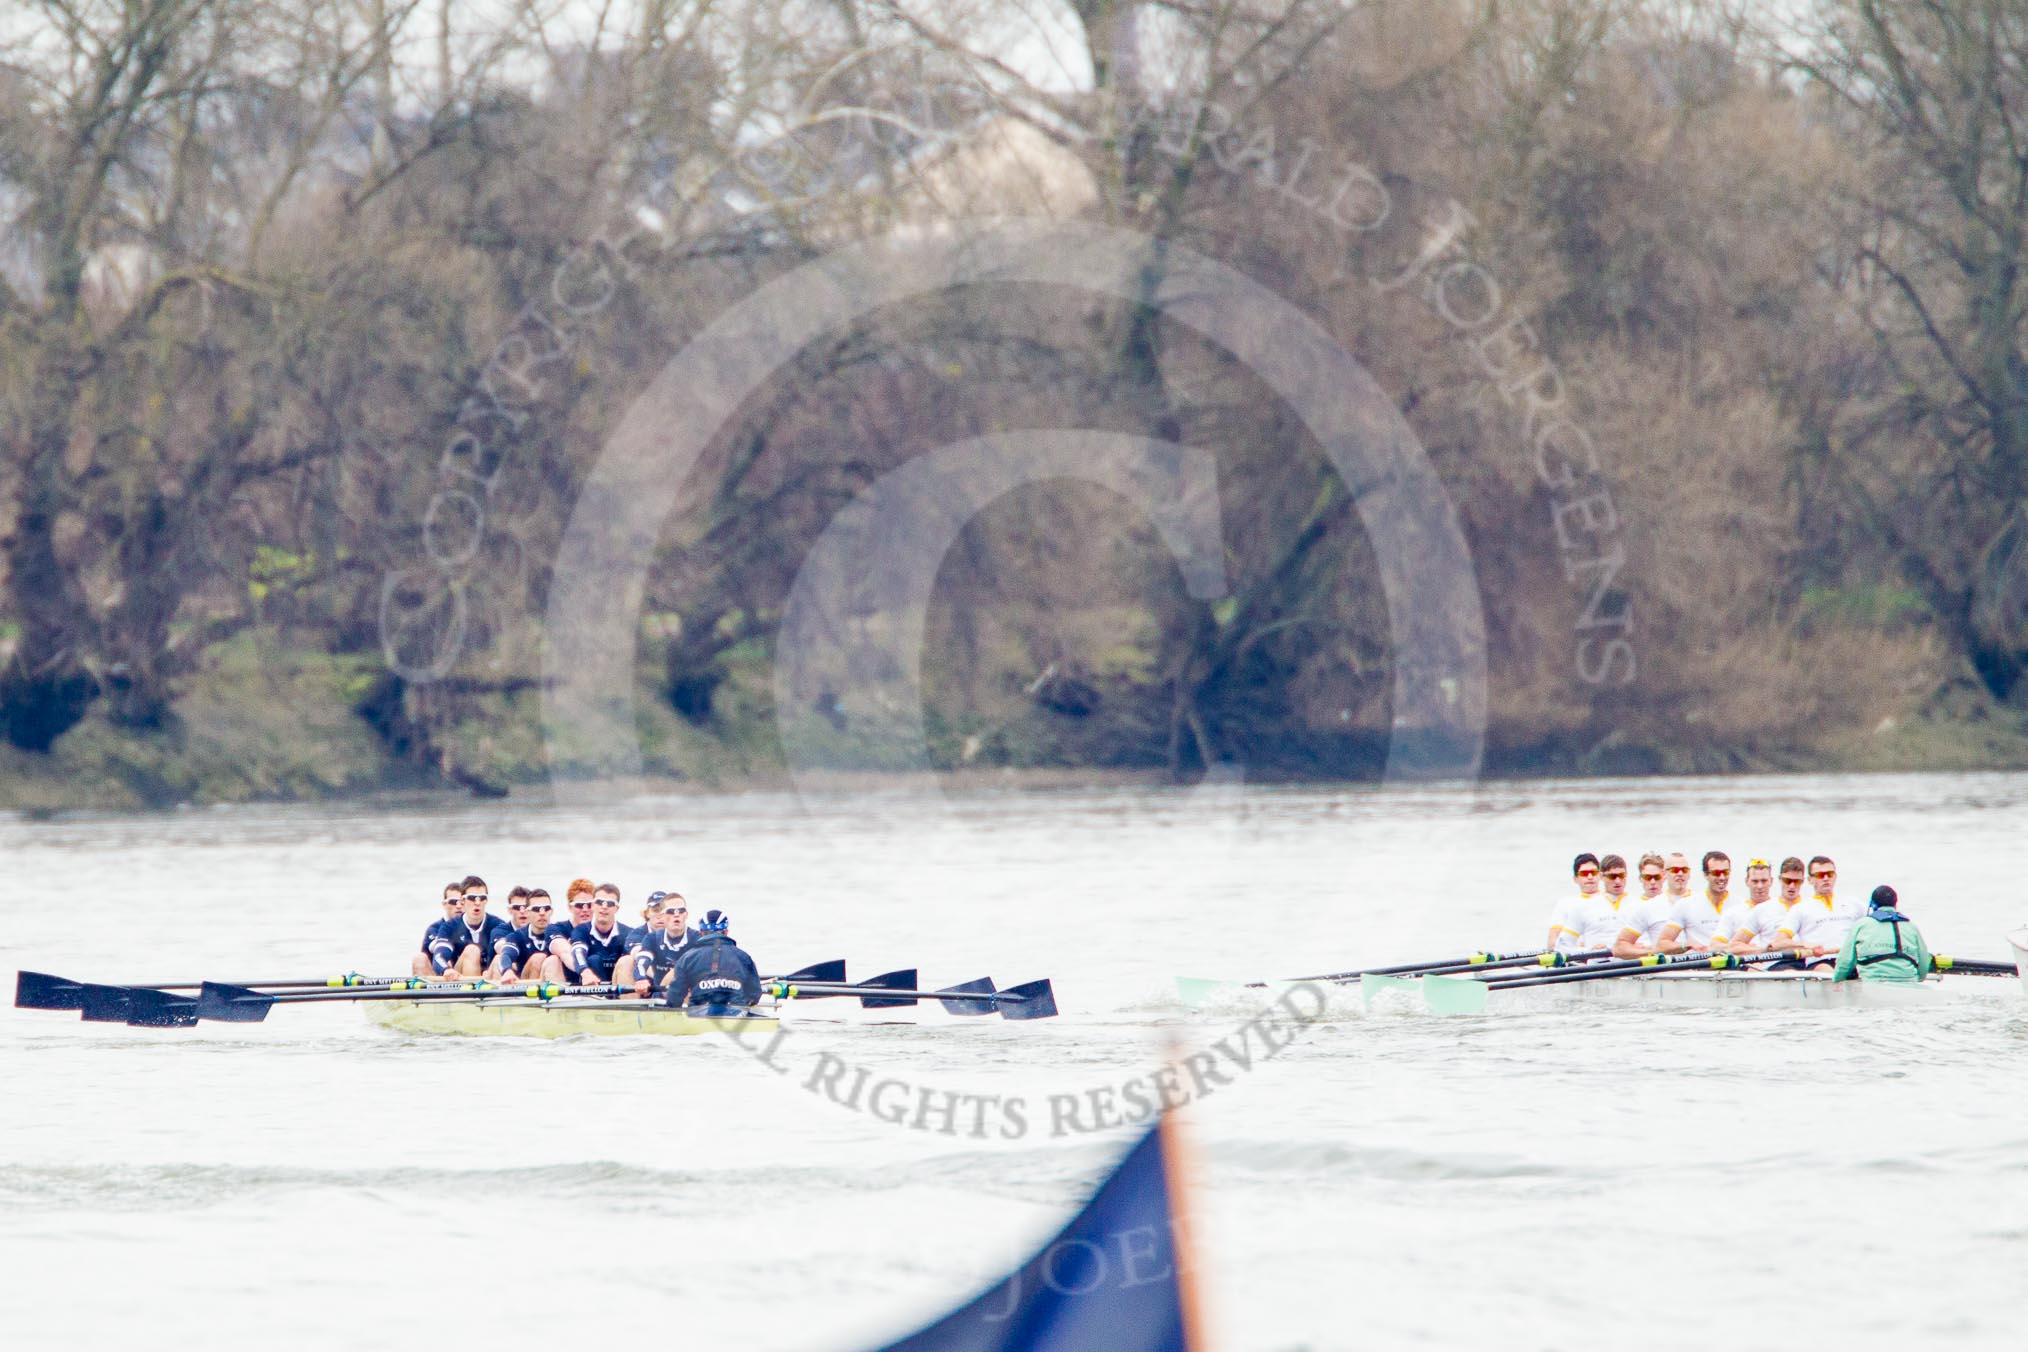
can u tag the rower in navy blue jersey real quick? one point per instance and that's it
(467, 946)
(527, 954)
(639, 937)
(656, 959)
(577, 912)
(596, 948)
(420, 964)
(517, 907)
(713, 975)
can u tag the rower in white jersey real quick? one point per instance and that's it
(1764, 922)
(1818, 926)
(1590, 921)
(1706, 920)
(1647, 917)
(1584, 869)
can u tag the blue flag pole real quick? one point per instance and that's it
(1117, 1278)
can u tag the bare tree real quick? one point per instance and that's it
(1937, 95)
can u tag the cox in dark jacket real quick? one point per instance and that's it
(713, 970)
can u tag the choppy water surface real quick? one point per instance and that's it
(1561, 1175)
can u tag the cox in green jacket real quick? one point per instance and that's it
(1884, 946)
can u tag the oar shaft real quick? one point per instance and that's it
(831, 988)
(1546, 960)
(348, 982)
(1634, 967)
(1977, 967)
(1419, 968)
(525, 991)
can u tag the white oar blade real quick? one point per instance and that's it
(1454, 994)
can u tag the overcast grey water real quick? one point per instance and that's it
(1560, 1175)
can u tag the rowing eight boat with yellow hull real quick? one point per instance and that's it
(531, 1010)
(562, 1017)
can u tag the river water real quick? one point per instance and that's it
(1557, 1175)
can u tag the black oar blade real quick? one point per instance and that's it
(159, 1009)
(903, 980)
(832, 972)
(39, 990)
(983, 986)
(232, 1004)
(1037, 1001)
(104, 1004)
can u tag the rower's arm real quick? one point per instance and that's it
(1786, 938)
(1671, 940)
(1628, 944)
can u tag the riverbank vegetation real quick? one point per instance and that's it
(317, 317)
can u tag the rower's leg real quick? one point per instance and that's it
(623, 976)
(467, 964)
(420, 965)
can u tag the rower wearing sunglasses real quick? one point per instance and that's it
(420, 964)
(1591, 921)
(468, 945)
(517, 906)
(1819, 924)
(577, 906)
(1704, 920)
(527, 955)
(638, 938)
(1648, 920)
(1767, 914)
(596, 948)
(713, 975)
(655, 960)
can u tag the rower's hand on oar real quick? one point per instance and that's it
(644, 988)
